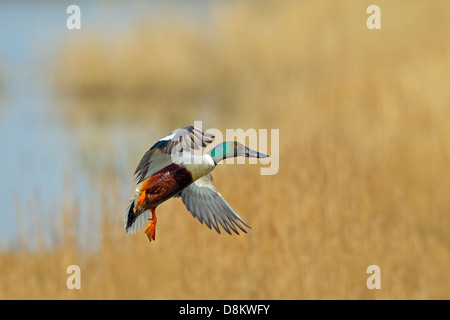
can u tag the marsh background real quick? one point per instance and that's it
(364, 147)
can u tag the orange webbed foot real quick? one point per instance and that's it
(151, 228)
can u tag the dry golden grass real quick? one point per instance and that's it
(364, 152)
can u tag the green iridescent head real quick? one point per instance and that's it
(232, 149)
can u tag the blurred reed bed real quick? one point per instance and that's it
(364, 150)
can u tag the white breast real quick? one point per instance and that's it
(198, 165)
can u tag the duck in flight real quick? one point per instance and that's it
(169, 169)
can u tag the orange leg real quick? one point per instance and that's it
(151, 228)
(143, 188)
(141, 198)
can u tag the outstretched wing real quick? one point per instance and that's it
(183, 140)
(206, 204)
(159, 155)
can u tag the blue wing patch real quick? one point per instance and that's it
(160, 144)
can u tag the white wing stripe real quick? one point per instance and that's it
(169, 137)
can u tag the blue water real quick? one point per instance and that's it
(36, 146)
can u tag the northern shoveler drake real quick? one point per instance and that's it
(168, 169)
